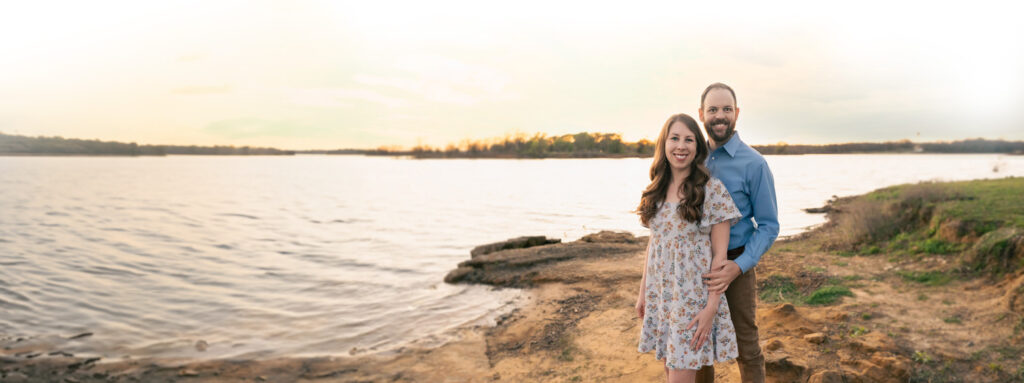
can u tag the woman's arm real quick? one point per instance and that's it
(719, 248)
(643, 278)
(704, 319)
(641, 300)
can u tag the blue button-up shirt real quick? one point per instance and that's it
(745, 173)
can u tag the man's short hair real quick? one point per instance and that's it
(717, 85)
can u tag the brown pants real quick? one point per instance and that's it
(742, 298)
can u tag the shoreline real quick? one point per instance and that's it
(941, 297)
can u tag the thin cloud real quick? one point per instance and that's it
(203, 89)
(250, 127)
(341, 97)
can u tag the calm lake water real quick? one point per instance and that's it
(324, 255)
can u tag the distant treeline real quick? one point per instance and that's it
(586, 145)
(977, 145)
(540, 145)
(23, 145)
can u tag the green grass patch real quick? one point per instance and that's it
(936, 246)
(815, 269)
(923, 219)
(778, 288)
(953, 320)
(828, 295)
(870, 250)
(930, 278)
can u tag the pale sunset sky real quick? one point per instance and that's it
(362, 74)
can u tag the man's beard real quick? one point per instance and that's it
(730, 128)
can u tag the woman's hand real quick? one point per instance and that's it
(641, 304)
(703, 321)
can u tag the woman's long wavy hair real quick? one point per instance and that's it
(692, 188)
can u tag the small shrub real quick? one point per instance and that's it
(921, 357)
(930, 278)
(828, 295)
(936, 246)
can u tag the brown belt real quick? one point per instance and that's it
(734, 253)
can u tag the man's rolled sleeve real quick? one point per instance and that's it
(766, 214)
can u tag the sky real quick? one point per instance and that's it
(365, 74)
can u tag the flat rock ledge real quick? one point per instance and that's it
(527, 261)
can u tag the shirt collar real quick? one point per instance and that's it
(732, 145)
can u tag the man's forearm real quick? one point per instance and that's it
(759, 243)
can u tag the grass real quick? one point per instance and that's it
(779, 288)
(952, 319)
(815, 269)
(828, 295)
(930, 278)
(933, 218)
(936, 246)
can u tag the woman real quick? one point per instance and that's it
(689, 214)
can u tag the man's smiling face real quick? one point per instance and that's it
(719, 114)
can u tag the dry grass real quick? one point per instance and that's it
(882, 214)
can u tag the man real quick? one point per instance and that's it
(745, 173)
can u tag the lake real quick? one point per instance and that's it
(324, 255)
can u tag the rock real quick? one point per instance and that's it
(956, 231)
(785, 309)
(458, 274)
(877, 373)
(82, 335)
(894, 365)
(784, 368)
(15, 377)
(1014, 296)
(262, 378)
(514, 243)
(998, 251)
(524, 267)
(839, 316)
(827, 376)
(71, 379)
(606, 236)
(189, 373)
(201, 345)
(773, 345)
(816, 338)
(818, 210)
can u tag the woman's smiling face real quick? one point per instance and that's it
(680, 146)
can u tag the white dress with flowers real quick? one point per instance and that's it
(680, 252)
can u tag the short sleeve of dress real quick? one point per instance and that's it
(718, 205)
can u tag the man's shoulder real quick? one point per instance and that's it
(750, 155)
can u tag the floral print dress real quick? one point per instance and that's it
(680, 251)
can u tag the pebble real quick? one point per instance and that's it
(816, 338)
(773, 345)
